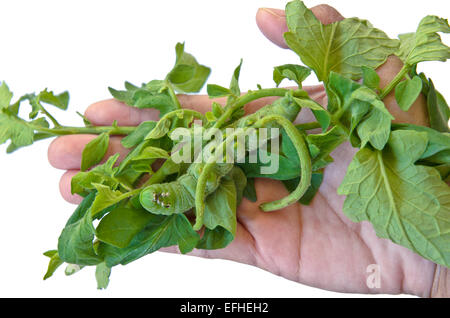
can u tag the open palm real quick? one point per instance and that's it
(315, 245)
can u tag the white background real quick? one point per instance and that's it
(85, 46)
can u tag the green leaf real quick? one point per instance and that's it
(121, 225)
(36, 137)
(407, 92)
(102, 273)
(234, 85)
(405, 202)
(320, 113)
(94, 151)
(438, 144)
(5, 96)
(61, 101)
(217, 110)
(163, 231)
(240, 181)
(425, 44)
(370, 78)
(342, 47)
(137, 136)
(289, 164)
(15, 129)
(250, 191)
(161, 129)
(53, 264)
(154, 94)
(438, 110)
(107, 197)
(83, 182)
(359, 108)
(325, 144)
(296, 73)
(339, 91)
(215, 239)
(376, 126)
(181, 74)
(215, 91)
(75, 244)
(220, 207)
(187, 76)
(152, 153)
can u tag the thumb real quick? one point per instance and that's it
(272, 22)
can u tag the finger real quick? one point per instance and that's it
(272, 22)
(104, 113)
(65, 152)
(65, 186)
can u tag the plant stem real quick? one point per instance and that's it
(397, 79)
(62, 131)
(247, 98)
(298, 140)
(308, 126)
(54, 121)
(173, 95)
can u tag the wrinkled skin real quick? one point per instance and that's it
(315, 245)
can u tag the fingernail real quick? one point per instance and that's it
(275, 12)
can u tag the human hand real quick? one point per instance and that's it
(316, 245)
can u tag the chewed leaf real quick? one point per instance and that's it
(5, 96)
(61, 101)
(296, 73)
(425, 44)
(405, 202)
(53, 264)
(154, 94)
(15, 129)
(187, 76)
(342, 47)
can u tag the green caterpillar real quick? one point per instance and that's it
(179, 196)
